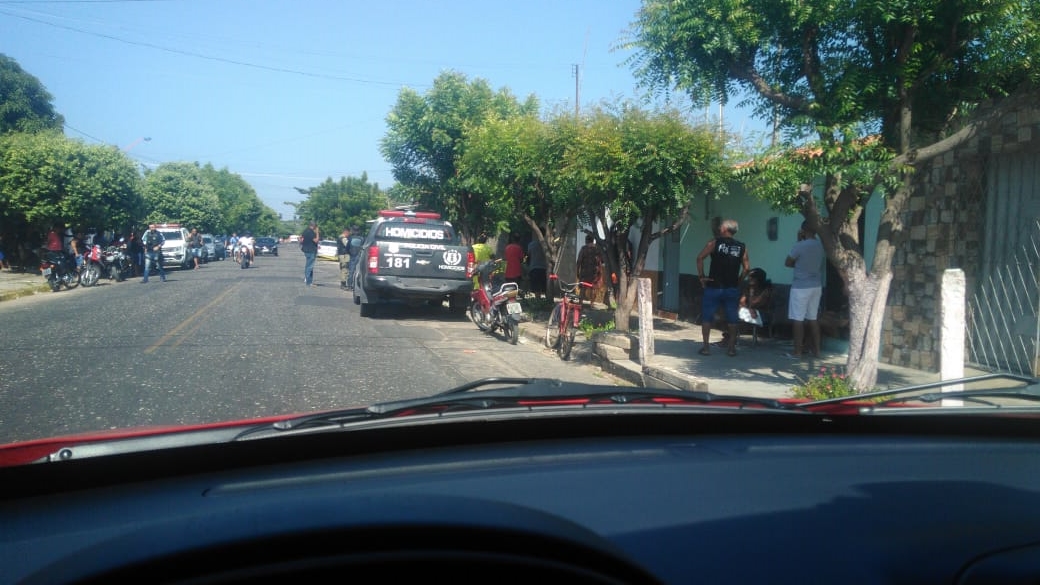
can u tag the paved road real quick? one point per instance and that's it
(222, 343)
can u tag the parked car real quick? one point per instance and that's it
(265, 245)
(175, 250)
(327, 250)
(213, 248)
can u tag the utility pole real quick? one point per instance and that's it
(577, 89)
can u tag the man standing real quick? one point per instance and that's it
(536, 267)
(514, 254)
(355, 255)
(309, 246)
(153, 241)
(729, 266)
(590, 266)
(806, 258)
(343, 252)
(195, 243)
(54, 240)
(481, 253)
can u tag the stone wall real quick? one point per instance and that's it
(946, 220)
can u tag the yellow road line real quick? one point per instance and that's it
(191, 318)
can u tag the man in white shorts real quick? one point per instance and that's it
(806, 257)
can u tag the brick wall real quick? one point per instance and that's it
(946, 223)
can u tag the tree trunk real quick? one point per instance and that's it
(625, 301)
(869, 294)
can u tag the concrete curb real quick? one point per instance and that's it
(617, 354)
(24, 292)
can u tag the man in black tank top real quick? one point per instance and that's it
(729, 265)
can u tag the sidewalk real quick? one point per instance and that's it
(761, 370)
(19, 284)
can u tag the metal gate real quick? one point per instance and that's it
(1003, 329)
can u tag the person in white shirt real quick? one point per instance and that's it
(245, 243)
(806, 258)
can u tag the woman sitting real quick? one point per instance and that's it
(756, 298)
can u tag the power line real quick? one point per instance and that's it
(209, 57)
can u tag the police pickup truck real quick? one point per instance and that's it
(412, 256)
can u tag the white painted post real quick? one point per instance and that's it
(952, 330)
(646, 319)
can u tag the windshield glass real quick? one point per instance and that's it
(750, 217)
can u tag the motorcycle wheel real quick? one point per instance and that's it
(245, 261)
(115, 273)
(71, 280)
(512, 331)
(566, 344)
(54, 283)
(90, 275)
(476, 314)
(552, 329)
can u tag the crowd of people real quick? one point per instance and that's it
(744, 294)
(22, 253)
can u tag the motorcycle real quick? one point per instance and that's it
(491, 309)
(243, 256)
(59, 269)
(117, 264)
(90, 271)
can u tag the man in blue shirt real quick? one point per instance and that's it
(806, 258)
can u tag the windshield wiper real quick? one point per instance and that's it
(884, 399)
(528, 393)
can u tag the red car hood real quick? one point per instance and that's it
(23, 452)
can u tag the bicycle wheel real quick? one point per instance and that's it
(566, 345)
(552, 329)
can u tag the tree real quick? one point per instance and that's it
(240, 207)
(46, 177)
(179, 193)
(349, 202)
(514, 164)
(25, 105)
(636, 170)
(864, 92)
(424, 141)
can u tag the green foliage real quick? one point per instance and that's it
(828, 383)
(425, 139)
(589, 328)
(349, 202)
(181, 193)
(25, 105)
(46, 178)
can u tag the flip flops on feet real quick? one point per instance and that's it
(704, 351)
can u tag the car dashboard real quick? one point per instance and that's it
(602, 498)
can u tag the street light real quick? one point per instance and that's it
(136, 142)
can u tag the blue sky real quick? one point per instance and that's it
(287, 93)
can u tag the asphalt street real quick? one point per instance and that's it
(223, 343)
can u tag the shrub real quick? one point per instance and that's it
(590, 329)
(828, 383)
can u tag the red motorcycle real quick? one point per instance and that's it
(91, 269)
(492, 309)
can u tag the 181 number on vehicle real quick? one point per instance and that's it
(398, 262)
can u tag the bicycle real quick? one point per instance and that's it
(565, 317)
